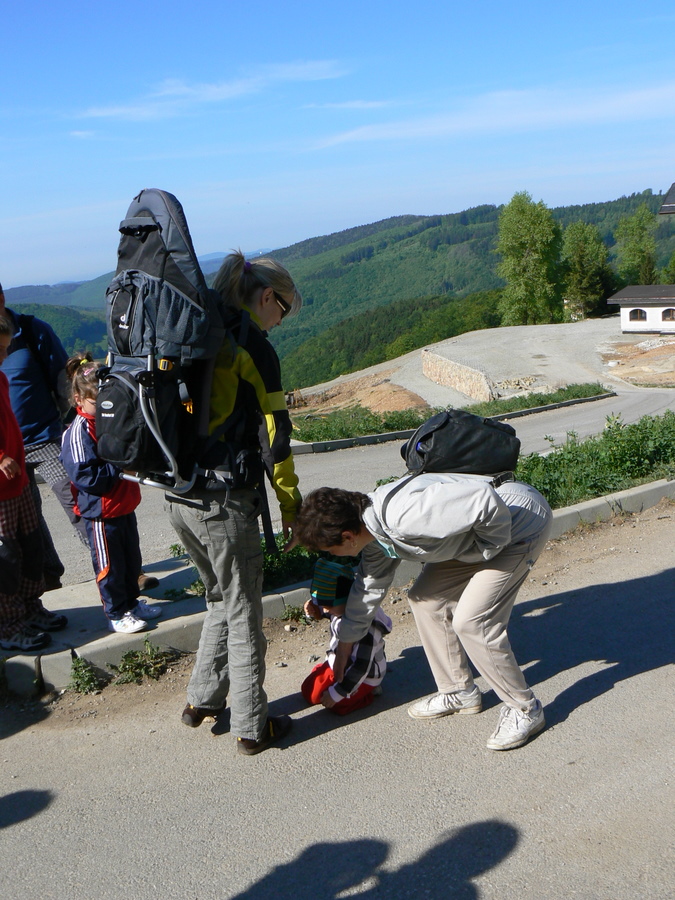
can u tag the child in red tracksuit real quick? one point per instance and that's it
(367, 663)
(106, 502)
(24, 622)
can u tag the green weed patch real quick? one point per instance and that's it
(621, 457)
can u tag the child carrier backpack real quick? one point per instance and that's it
(461, 442)
(164, 328)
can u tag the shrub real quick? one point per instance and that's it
(620, 457)
(150, 662)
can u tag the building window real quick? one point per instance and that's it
(668, 315)
(638, 315)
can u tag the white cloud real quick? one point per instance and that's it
(82, 135)
(174, 97)
(516, 111)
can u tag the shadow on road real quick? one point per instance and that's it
(22, 805)
(629, 625)
(334, 869)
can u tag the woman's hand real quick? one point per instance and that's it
(342, 655)
(289, 537)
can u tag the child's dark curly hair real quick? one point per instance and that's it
(82, 373)
(326, 513)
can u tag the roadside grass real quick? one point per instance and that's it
(514, 404)
(623, 456)
(150, 662)
(355, 421)
(134, 666)
(85, 678)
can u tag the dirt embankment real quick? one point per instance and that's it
(374, 392)
(648, 363)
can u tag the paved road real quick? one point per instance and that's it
(130, 803)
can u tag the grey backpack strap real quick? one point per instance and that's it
(402, 483)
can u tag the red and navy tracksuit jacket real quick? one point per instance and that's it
(106, 502)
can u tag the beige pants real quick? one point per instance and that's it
(463, 609)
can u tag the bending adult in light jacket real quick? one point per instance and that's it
(477, 543)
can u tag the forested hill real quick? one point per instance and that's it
(346, 276)
(410, 257)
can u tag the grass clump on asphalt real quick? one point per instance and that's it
(150, 662)
(355, 421)
(621, 457)
(85, 678)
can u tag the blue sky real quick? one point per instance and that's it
(276, 122)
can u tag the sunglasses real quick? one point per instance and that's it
(285, 307)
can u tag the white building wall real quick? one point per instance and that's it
(653, 322)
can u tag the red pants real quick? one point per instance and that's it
(321, 678)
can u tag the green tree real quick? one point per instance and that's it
(529, 243)
(587, 277)
(637, 247)
(668, 274)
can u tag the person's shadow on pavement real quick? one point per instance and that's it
(629, 625)
(326, 871)
(22, 805)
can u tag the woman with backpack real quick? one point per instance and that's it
(249, 432)
(477, 544)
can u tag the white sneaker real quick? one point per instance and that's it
(143, 610)
(516, 727)
(465, 703)
(128, 624)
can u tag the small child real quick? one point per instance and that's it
(24, 622)
(106, 502)
(367, 663)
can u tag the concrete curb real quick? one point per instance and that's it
(29, 675)
(299, 448)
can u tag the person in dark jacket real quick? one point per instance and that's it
(106, 502)
(40, 397)
(24, 622)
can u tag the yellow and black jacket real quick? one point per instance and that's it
(248, 406)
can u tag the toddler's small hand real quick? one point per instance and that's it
(9, 467)
(312, 611)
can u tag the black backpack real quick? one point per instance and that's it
(164, 328)
(461, 442)
(455, 441)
